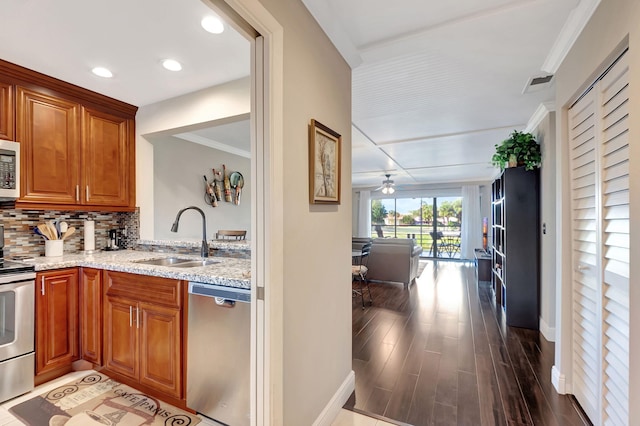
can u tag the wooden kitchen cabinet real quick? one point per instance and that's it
(121, 336)
(78, 146)
(56, 323)
(7, 110)
(73, 155)
(91, 315)
(49, 130)
(160, 327)
(143, 339)
(107, 158)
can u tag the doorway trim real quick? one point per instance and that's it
(250, 18)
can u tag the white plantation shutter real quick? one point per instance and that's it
(614, 115)
(599, 167)
(586, 331)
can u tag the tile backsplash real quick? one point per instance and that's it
(19, 238)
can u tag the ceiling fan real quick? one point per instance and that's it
(387, 186)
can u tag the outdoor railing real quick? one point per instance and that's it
(448, 243)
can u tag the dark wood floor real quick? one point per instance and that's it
(439, 354)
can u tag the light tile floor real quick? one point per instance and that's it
(349, 418)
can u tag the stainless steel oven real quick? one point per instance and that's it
(17, 326)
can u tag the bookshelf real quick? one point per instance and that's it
(516, 246)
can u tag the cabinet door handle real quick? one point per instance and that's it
(78, 193)
(130, 316)
(137, 317)
(42, 285)
(86, 192)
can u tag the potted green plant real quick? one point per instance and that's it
(520, 149)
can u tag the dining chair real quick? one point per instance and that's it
(434, 241)
(359, 271)
(230, 235)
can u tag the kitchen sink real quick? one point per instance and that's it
(177, 262)
(194, 263)
(163, 261)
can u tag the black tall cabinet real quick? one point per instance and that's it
(516, 246)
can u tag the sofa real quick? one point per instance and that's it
(358, 242)
(394, 260)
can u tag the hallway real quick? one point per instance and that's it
(439, 354)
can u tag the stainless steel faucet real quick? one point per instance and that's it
(204, 250)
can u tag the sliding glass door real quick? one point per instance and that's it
(434, 223)
(447, 227)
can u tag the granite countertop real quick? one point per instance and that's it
(226, 271)
(214, 244)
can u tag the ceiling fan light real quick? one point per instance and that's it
(387, 189)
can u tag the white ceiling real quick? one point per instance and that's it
(66, 39)
(435, 84)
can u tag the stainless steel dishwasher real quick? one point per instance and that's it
(218, 352)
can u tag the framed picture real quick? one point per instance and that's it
(324, 164)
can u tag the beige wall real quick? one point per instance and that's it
(178, 182)
(317, 272)
(215, 103)
(546, 136)
(614, 23)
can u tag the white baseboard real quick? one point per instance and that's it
(549, 333)
(333, 407)
(558, 380)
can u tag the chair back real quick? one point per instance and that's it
(438, 236)
(231, 235)
(364, 255)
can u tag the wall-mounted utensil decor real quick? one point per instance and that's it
(217, 177)
(209, 195)
(223, 182)
(227, 185)
(236, 180)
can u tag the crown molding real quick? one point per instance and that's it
(573, 26)
(322, 13)
(213, 144)
(539, 115)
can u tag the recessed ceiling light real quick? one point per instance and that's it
(102, 72)
(172, 65)
(212, 24)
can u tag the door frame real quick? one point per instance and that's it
(251, 19)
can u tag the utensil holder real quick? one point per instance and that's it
(53, 248)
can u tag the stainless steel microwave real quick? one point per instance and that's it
(9, 170)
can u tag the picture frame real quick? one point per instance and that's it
(324, 164)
